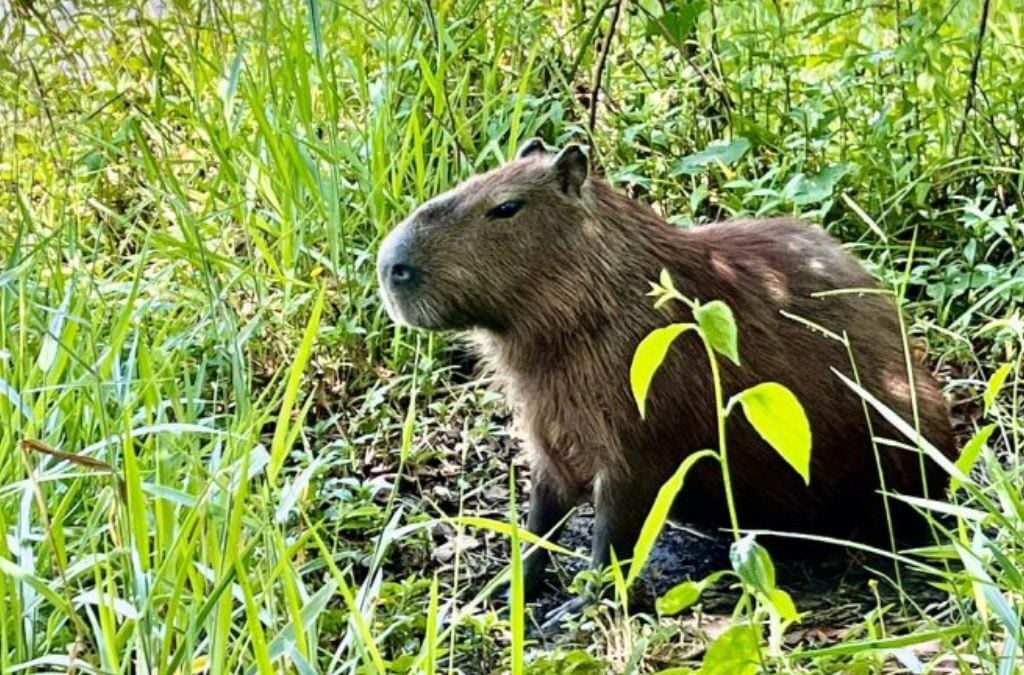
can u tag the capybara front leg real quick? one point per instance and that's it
(548, 508)
(619, 513)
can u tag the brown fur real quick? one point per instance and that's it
(556, 301)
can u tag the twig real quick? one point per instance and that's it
(972, 87)
(587, 37)
(716, 67)
(595, 93)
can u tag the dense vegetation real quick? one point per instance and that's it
(218, 455)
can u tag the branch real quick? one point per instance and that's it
(972, 87)
(596, 89)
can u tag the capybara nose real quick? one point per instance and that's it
(393, 266)
(402, 275)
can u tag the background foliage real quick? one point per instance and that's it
(190, 198)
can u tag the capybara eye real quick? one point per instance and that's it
(505, 209)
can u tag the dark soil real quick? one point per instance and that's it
(832, 590)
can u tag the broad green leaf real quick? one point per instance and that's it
(679, 597)
(295, 489)
(874, 645)
(678, 23)
(805, 190)
(619, 579)
(170, 494)
(429, 657)
(969, 455)
(783, 604)
(995, 384)
(659, 514)
(311, 610)
(665, 291)
(18, 573)
(718, 326)
(648, 358)
(665, 280)
(735, 652)
(718, 153)
(779, 418)
(944, 507)
(12, 395)
(1003, 608)
(752, 563)
(687, 593)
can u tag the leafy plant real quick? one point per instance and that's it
(778, 417)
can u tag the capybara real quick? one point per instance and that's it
(548, 269)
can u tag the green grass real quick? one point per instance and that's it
(258, 466)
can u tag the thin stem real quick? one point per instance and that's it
(602, 61)
(720, 414)
(973, 81)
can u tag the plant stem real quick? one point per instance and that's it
(720, 414)
(595, 94)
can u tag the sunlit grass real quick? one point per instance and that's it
(197, 381)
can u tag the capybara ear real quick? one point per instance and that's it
(531, 147)
(571, 168)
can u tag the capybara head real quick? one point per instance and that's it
(476, 255)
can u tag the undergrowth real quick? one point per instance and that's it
(217, 454)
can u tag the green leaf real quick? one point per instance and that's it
(677, 23)
(811, 190)
(718, 153)
(735, 652)
(517, 604)
(1001, 606)
(718, 327)
(51, 340)
(679, 597)
(874, 645)
(279, 446)
(686, 594)
(779, 418)
(659, 514)
(648, 358)
(311, 609)
(783, 604)
(9, 568)
(665, 280)
(752, 563)
(995, 384)
(969, 455)
(14, 398)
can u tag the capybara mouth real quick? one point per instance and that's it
(411, 311)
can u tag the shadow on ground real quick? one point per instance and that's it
(832, 591)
